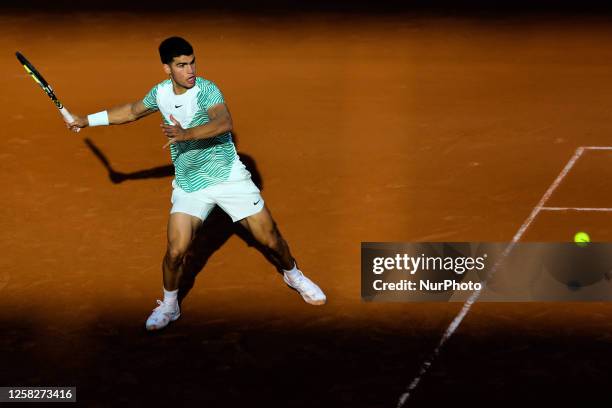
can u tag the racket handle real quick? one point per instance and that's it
(68, 117)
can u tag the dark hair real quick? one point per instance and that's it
(173, 47)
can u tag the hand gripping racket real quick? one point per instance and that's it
(45, 86)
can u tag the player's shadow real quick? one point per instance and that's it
(212, 235)
(214, 232)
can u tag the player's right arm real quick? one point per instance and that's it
(117, 115)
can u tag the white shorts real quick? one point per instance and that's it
(238, 196)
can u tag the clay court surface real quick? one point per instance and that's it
(360, 128)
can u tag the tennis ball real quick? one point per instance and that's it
(582, 239)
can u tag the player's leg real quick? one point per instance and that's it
(186, 216)
(181, 230)
(264, 230)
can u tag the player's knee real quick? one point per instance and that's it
(176, 253)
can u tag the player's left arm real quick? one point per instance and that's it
(220, 122)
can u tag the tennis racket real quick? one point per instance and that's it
(45, 86)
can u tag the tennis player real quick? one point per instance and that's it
(208, 172)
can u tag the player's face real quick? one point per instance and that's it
(182, 70)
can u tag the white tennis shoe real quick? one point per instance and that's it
(310, 292)
(162, 315)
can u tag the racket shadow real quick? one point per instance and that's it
(117, 177)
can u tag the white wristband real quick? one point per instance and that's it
(98, 119)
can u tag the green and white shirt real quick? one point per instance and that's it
(197, 163)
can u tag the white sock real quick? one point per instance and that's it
(292, 273)
(170, 296)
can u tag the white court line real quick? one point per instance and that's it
(575, 209)
(597, 147)
(476, 294)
